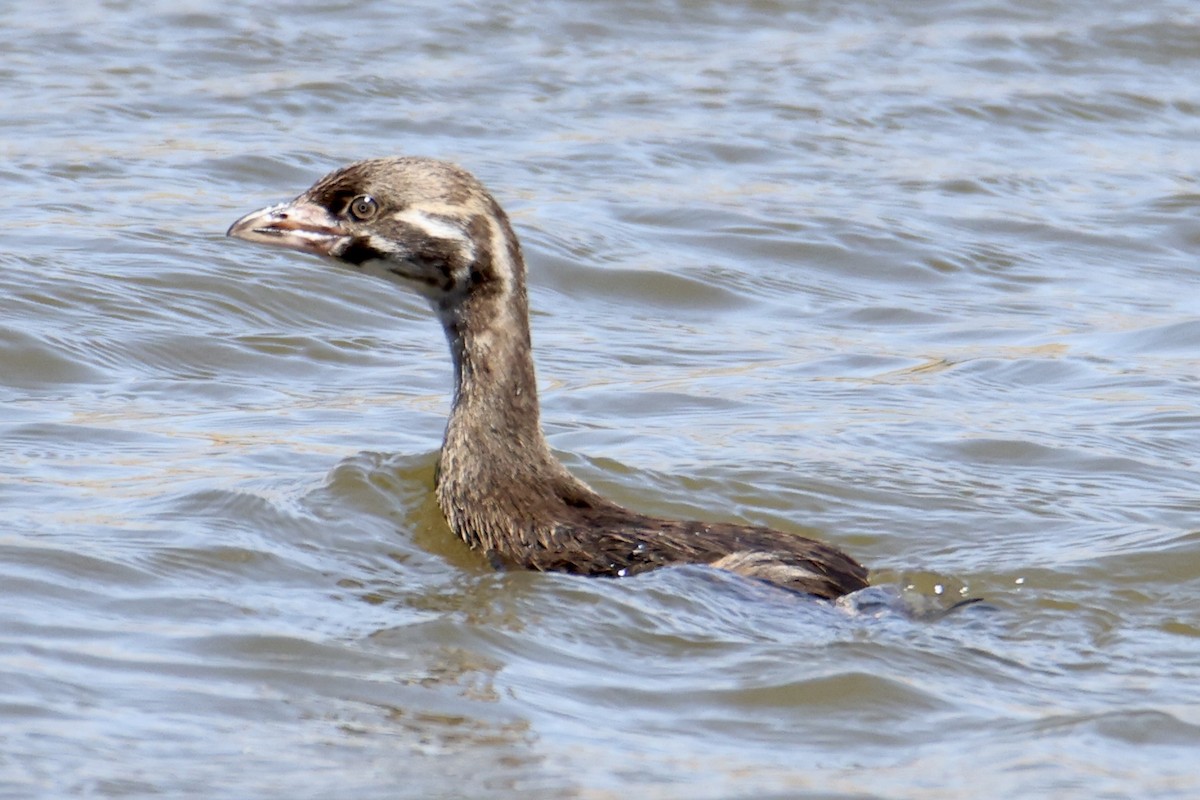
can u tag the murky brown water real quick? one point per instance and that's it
(921, 279)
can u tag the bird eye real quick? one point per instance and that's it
(363, 207)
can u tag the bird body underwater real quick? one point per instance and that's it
(430, 226)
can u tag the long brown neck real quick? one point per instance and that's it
(495, 392)
(497, 479)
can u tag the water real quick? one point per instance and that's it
(919, 279)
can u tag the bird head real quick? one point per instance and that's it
(426, 224)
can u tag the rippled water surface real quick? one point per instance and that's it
(921, 279)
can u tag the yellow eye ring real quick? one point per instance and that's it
(363, 207)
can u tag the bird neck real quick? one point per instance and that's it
(498, 482)
(495, 392)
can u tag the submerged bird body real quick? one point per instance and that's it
(430, 226)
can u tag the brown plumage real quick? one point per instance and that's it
(431, 226)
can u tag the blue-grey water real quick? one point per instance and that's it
(921, 279)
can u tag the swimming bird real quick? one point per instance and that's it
(430, 226)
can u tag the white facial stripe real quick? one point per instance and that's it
(435, 227)
(384, 245)
(504, 266)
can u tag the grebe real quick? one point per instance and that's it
(431, 226)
